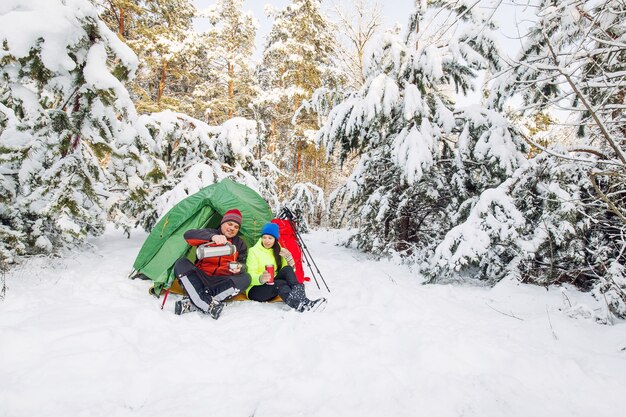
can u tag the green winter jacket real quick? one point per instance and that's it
(258, 257)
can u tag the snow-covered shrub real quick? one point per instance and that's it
(181, 155)
(307, 203)
(544, 226)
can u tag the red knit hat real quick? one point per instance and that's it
(232, 215)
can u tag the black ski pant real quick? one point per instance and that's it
(202, 288)
(284, 282)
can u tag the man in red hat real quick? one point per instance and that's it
(213, 279)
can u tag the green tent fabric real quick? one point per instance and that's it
(166, 244)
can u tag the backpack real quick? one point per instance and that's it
(289, 240)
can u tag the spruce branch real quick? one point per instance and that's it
(592, 111)
(603, 196)
(571, 158)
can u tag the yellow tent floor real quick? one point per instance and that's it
(175, 288)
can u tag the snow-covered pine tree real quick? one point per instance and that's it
(228, 86)
(561, 218)
(544, 225)
(423, 163)
(356, 24)
(307, 203)
(64, 116)
(574, 60)
(161, 34)
(297, 59)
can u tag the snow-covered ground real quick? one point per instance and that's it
(77, 338)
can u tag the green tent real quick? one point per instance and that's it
(204, 209)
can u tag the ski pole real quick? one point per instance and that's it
(305, 251)
(288, 216)
(310, 268)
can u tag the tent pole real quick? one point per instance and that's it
(165, 298)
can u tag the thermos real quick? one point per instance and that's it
(208, 250)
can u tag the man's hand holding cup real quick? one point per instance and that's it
(234, 267)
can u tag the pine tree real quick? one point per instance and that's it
(160, 33)
(574, 60)
(120, 16)
(228, 87)
(560, 218)
(65, 119)
(544, 226)
(423, 162)
(298, 59)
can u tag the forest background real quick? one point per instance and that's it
(433, 144)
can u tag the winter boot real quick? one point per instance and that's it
(184, 306)
(215, 309)
(296, 297)
(312, 305)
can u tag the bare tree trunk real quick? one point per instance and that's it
(298, 159)
(119, 17)
(299, 145)
(231, 89)
(403, 233)
(621, 96)
(162, 82)
(121, 23)
(272, 137)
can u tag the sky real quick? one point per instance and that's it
(510, 15)
(394, 11)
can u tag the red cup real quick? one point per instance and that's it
(270, 269)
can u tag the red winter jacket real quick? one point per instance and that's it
(217, 266)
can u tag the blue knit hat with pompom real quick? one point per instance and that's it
(272, 230)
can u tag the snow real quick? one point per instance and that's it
(381, 97)
(413, 151)
(83, 340)
(96, 72)
(241, 135)
(413, 103)
(197, 177)
(22, 23)
(494, 218)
